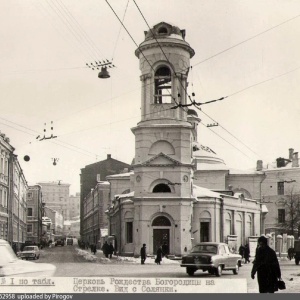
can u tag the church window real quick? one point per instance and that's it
(161, 188)
(162, 30)
(161, 221)
(281, 215)
(280, 188)
(129, 232)
(163, 86)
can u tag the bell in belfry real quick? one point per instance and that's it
(104, 73)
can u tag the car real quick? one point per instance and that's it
(59, 242)
(11, 265)
(30, 252)
(212, 257)
(69, 241)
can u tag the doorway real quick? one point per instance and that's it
(160, 236)
(204, 231)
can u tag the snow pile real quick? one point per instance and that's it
(86, 255)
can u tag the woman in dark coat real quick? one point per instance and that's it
(159, 254)
(111, 250)
(105, 249)
(266, 266)
(143, 254)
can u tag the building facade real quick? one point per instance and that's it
(35, 212)
(94, 173)
(56, 196)
(57, 219)
(94, 218)
(159, 201)
(74, 206)
(6, 151)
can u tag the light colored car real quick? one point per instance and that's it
(10, 265)
(211, 257)
(30, 252)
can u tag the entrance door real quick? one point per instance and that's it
(204, 231)
(160, 236)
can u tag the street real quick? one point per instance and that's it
(70, 264)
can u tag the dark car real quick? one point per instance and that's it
(211, 257)
(59, 242)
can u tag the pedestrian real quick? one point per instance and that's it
(94, 249)
(105, 249)
(143, 254)
(111, 250)
(242, 251)
(291, 253)
(159, 253)
(266, 266)
(247, 253)
(165, 249)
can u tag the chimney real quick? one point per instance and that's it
(291, 151)
(108, 156)
(259, 165)
(295, 162)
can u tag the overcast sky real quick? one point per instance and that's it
(246, 50)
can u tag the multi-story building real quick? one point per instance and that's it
(94, 218)
(6, 151)
(94, 173)
(56, 196)
(13, 188)
(34, 214)
(57, 225)
(74, 206)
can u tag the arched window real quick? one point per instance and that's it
(163, 85)
(162, 30)
(161, 188)
(161, 221)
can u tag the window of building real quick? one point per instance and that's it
(281, 215)
(280, 188)
(129, 232)
(161, 188)
(163, 86)
(29, 212)
(29, 228)
(29, 196)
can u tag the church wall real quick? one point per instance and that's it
(211, 179)
(177, 211)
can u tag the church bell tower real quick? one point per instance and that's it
(163, 142)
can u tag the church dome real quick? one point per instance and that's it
(205, 155)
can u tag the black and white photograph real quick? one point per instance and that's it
(149, 147)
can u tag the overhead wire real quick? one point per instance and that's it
(118, 36)
(248, 39)
(193, 102)
(134, 41)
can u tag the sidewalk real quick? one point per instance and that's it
(100, 258)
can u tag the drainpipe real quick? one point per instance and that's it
(222, 220)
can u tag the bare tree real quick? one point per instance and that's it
(291, 224)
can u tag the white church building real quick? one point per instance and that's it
(159, 202)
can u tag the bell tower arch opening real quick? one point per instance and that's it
(163, 85)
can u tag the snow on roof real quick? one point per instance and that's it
(264, 209)
(200, 192)
(244, 172)
(128, 195)
(120, 175)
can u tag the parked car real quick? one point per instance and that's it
(30, 252)
(212, 257)
(69, 241)
(59, 242)
(10, 265)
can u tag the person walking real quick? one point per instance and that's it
(159, 254)
(94, 249)
(242, 251)
(111, 250)
(165, 249)
(247, 253)
(143, 254)
(105, 249)
(266, 266)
